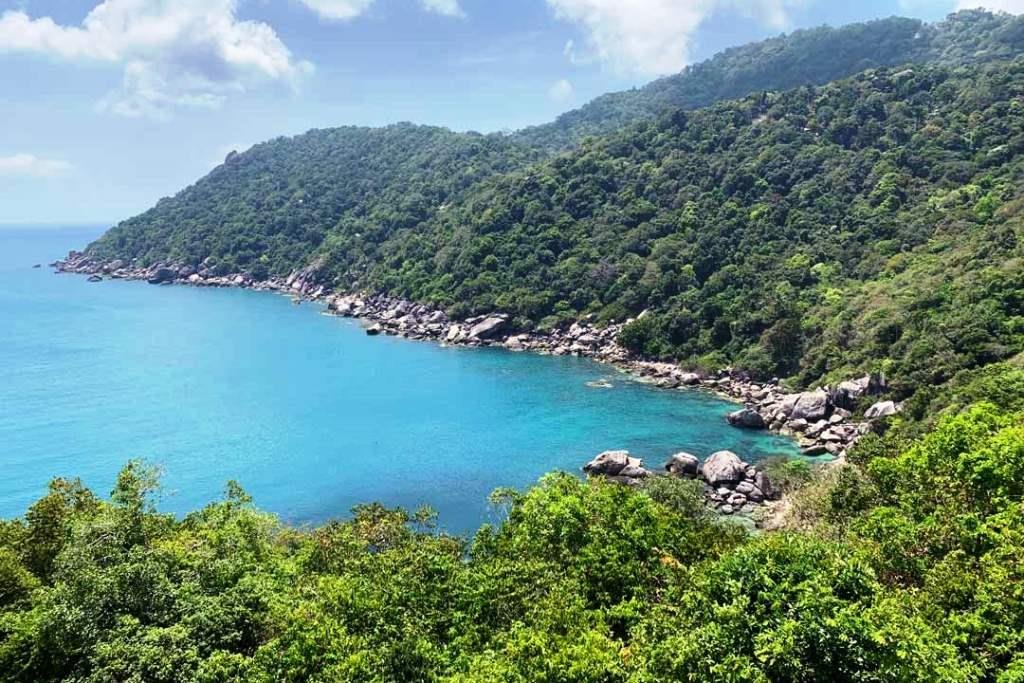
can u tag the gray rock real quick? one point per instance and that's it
(633, 472)
(610, 463)
(726, 509)
(488, 327)
(798, 425)
(811, 406)
(723, 468)
(374, 330)
(684, 465)
(881, 409)
(746, 418)
(161, 275)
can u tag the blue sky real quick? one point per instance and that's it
(108, 106)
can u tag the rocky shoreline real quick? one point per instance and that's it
(822, 420)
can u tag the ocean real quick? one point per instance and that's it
(305, 411)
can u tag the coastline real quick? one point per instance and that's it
(821, 421)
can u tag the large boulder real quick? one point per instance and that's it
(611, 463)
(159, 276)
(811, 406)
(881, 409)
(684, 465)
(724, 468)
(489, 327)
(747, 418)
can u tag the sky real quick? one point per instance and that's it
(107, 106)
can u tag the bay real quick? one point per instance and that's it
(309, 414)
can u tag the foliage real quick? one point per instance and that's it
(913, 573)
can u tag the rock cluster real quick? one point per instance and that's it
(417, 321)
(821, 419)
(730, 484)
(162, 273)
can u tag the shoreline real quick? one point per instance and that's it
(821, 421)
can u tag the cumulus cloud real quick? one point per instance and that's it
(344, 10)
(185, 53)
(561, 91)
(29, 165)
(1011, 6)
(651, 37)
(449, 8)
(340, 10)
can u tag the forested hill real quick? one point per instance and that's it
(266, 210)
(873, 222)
(807, 57)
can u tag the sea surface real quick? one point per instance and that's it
(309, 414)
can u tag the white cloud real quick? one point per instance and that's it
(449, 8)
(341, 10)
(652, 37)
(185, 53)
(1011, 6)
(561, 91)
(29, 165)
(345, 10)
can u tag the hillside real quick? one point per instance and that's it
(806, 57)
(871, 223)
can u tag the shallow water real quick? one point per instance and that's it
(309, 414)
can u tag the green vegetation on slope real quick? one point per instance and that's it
(806, 57)
(872, 223)
(910, 568)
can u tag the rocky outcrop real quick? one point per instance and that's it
(619, 466)
(162, 275)
(684, 465)
(747, 418)
(882, 409)
(723, 468)
(730, 485)
(487, 327)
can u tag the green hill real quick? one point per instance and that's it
(872, 222)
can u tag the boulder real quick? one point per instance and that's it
(764, 484)
(689, 379)
(610, 463)
(159, 276)
(724, 468)
(374, 330)
(811, 406)
(881, 409)
(747, 418)
(489, 327)
(95, 278)
(684, 465)
(633, 472)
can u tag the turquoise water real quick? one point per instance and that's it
(306, 411)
